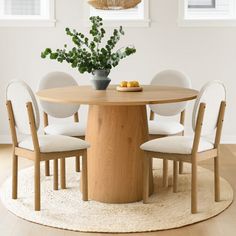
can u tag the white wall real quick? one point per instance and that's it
(202, 53)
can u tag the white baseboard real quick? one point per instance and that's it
(5, 139)
(226, 139)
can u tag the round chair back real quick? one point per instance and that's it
(58, 80)
(170, 78)
(212, 93)
(19, 93)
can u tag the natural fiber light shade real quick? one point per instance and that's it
(113, 4)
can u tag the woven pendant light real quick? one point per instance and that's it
(113, 4)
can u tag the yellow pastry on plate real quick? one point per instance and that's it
(135, 84)
(130, 84)
(123, 84)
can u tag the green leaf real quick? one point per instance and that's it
(43, 55)
(53, 56)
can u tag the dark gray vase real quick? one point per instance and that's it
(100, 80)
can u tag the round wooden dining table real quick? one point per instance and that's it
(117, 125)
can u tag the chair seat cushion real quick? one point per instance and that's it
(55, 143)
(167, 127)
(176, 144)
(71, 129)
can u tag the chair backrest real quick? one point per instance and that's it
(19, 94)
(212, 94)
(58, 80)
(170, 78)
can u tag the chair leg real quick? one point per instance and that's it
(47, 168)
(175, 176)
(194, 188)
(145, 179)
(165, 174)
(217, 179)
(84, 177)
(55, 174)
(77, 164)
(14, 176)
(181, 167)
(63, 173)
(151, 184)
(37, 185)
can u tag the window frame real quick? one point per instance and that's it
(126, 22)
(212, 5)
(183, 22)
(30, 21)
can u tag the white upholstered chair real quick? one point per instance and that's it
(24, 118)
(72, 129)
(166, 127)
(208, 116)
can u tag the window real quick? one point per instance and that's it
(207, 12)
(137, 16)
(27, 13)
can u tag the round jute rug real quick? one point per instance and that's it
(64, 209)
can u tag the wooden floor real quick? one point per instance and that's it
(224, 224)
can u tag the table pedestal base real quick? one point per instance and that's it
(115, 159)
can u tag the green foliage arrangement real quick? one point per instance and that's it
(88, 55)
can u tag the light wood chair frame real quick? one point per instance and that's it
(165, 161)
(77, 158)
(37, 156)
(192, 158)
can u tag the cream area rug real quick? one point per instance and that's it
(64, 209)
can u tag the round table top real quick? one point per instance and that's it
(87, 95)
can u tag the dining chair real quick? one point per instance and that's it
(208, 117)
(166, 127)
(73, 129)
(24, 118)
